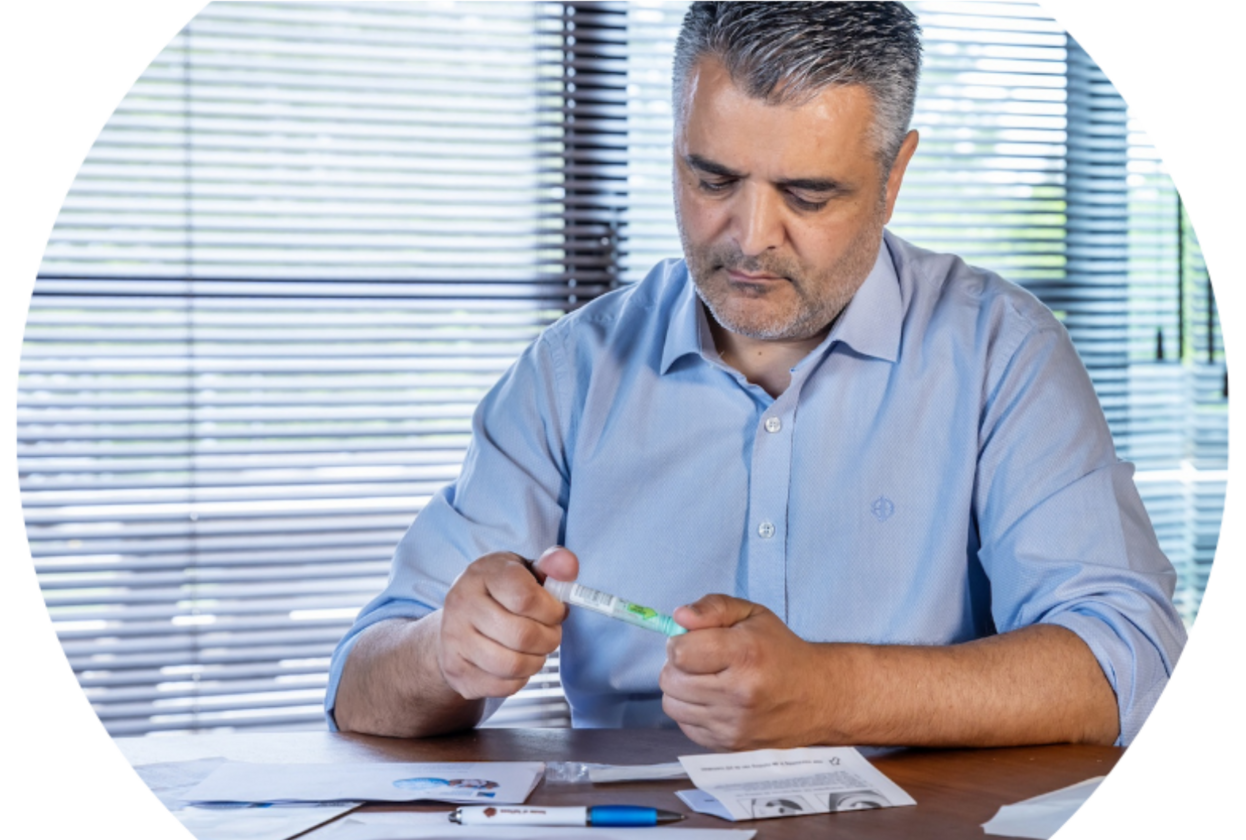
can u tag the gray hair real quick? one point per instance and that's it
(787, 53)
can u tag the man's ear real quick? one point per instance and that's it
(896, 176)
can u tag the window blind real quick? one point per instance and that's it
(303, 247)
(1178, 413)
(314, 234)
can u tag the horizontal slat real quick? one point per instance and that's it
(109, 489)
(481, 347)
(311, 429)
(231, 510)
(261, 307)
(172, 690)
(242, 656)
(308, 718)
(144, 553)
(203, 647)
(213, 565)
(255, 592)
(115, 632)
(245, 531)
(437, 394)
(324, 283)
(541, 689)
(144, 507)
(65, 312)
(342, 462)
(185, 609)
(238, 446)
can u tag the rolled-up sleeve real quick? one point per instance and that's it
(509, 496)
(1065, 538)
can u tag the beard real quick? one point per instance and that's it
(798, 307)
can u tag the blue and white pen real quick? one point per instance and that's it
(595, 815)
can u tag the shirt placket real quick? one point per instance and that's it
(769, 491)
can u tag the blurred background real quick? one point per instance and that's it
(314, 234)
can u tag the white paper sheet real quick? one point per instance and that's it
(703, 803)
(429, 826)
(1040, 817)
(504, 782)
(172, 780)
(781, 783)
(600, 774)
(276, 822)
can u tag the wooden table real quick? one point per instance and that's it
(956, 790)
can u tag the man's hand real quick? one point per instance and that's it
(742, 680)
(498, 623)
(409, 678)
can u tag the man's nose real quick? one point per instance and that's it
(758, 222)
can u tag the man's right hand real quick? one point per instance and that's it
(499, 623)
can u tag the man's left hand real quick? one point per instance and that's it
(741, 680)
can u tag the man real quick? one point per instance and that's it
(893, 462)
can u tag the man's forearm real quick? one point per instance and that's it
(1037, 685)
(392, 684)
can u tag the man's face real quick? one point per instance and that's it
(780, 208)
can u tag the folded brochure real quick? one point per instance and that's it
(782, 783)
(496, 782)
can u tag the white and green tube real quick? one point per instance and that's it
(581, 596)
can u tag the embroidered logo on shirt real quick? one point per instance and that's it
(882, 508)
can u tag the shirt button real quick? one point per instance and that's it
(773, 424)
(765, 530)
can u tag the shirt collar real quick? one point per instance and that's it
(870, 323)
(684, 330)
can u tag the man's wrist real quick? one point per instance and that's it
(437, 705)
(428, 681)
(431, 650)
(842, 700)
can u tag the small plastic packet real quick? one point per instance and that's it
(568, 772)
(581, 773)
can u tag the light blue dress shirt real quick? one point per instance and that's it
(938, 470)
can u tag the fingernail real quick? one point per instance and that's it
(695, 610)
(549, 551)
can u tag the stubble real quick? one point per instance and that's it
(809, 302)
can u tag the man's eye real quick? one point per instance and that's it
(715, 186)
(805, 204)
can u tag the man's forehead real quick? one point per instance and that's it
(724, 124)
(709, 81)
